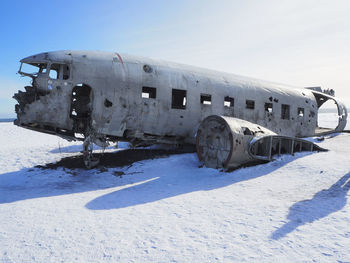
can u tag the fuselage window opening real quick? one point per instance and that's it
(59, 71)
(250, 104)
(285, 112)
(54, 71)
(65, 72)
(178, 99)
(206, 99)
(229, 102)
(43, 68)
(149, 93)
(301, 112)
(268, 107)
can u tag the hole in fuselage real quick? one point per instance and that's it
(81, 101)
(81, 107)
(108, 103)
(328, 115)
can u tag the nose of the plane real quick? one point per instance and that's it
(41, 57)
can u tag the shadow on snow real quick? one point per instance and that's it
(176, 176)
(321, 205)
(143, 181)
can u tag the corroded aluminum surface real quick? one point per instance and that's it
(113, 108)
(225, 141)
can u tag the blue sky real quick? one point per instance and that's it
(302, 43)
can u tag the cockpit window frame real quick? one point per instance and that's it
(34, 64)
(62, 73)
(44, 68)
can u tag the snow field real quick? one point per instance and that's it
(294, 209)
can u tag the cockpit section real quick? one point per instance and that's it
(45, 103)
(56, 70)
(45, 75)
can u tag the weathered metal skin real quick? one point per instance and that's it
(99, 95)
(225, 141)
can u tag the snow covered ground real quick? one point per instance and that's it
(294, 209)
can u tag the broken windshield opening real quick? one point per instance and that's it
(32, 69)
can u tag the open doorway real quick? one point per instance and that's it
(81, 107)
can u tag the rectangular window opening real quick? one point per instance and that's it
(43, 69)
(65, 72)
(229, 102)
(285, 112)
(149, 92)
(54, 71)
(178, 99)
(206, 99)
(268, 107)
(301, 112)
(250, 104)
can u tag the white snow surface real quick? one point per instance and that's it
(294, 209)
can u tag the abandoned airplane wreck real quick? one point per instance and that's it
(101, 97)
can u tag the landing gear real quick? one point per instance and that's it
(90, 161)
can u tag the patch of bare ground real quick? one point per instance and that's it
(115, 159)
